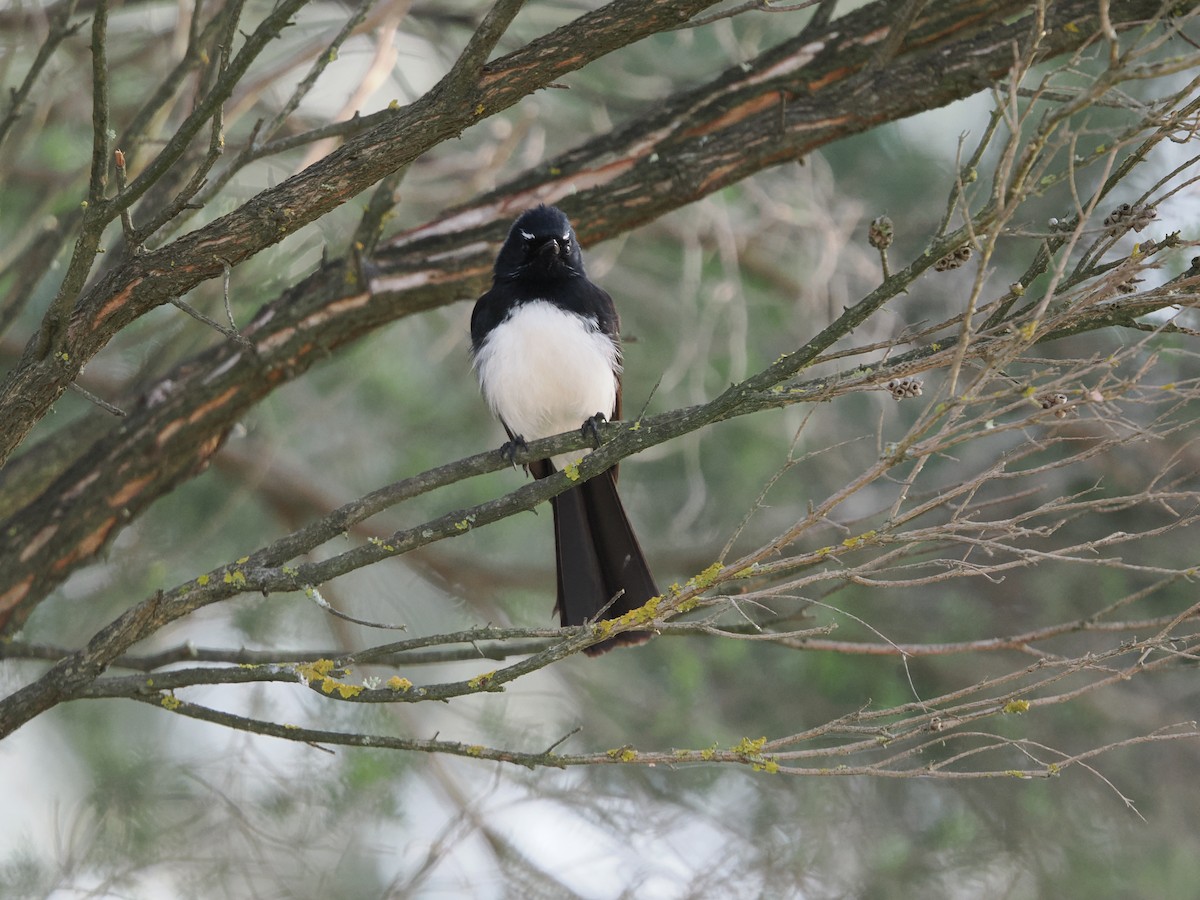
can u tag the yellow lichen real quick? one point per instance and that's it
(747, 747)
(704, 580)
(622, 754)
(202, 580)
(396, 683)
(170, 701)
(853, 543)
(1016, 707)
(315, 670)
(481, 681)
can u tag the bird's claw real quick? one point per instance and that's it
(591, 428)
(509, 449)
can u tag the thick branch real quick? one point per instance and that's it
(795, 98)
(152, 279)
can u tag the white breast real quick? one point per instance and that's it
(545, 371)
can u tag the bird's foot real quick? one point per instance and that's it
(509, 449)
(591, 428)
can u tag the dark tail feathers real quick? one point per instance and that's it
(598, 557)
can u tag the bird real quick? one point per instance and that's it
(546, 349)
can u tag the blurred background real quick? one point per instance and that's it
(111, 798)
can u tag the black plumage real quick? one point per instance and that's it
(546, 346)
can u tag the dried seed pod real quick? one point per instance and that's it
(902, 388)
(953, 259)
(1129, 286)
(880, 233)
(1053, 401)
(1126, 217)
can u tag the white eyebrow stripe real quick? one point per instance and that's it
(527, 235)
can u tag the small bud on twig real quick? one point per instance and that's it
(881, 232)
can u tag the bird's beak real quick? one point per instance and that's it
(550, 249)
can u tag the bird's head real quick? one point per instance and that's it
(541, 244)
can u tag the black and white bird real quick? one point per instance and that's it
(546, 346)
